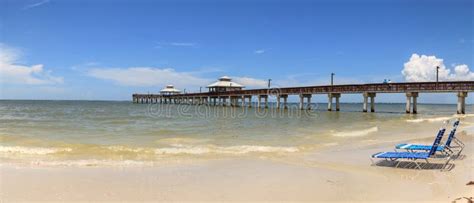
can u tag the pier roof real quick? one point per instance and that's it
(225, 81)
(170, 89)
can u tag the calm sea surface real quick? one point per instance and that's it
(94, 133)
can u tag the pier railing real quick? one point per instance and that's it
(412, 89)
(457, 86)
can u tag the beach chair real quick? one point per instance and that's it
(414, 156)
(447, 148)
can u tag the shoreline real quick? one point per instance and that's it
(344, 175)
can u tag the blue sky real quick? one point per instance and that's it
(107, 50)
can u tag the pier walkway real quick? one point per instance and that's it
(243, 98)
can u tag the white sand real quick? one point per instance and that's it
(330, 175)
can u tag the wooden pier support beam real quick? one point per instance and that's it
(285, 101)
(266, 101)
(308, 102)
(224, 101)
(372, 103)
(265, 97)
(461, 102)
(250, 101)
(236, 98)
(366, 101)
(333, 95)
(231, 101)
(278, 102)
(408, 107)
(259, 101)
(415, 104)
(301, 106)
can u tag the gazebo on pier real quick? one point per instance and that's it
(169, 90)
(224, 84)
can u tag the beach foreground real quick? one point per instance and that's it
(118, 151)
(328, 175)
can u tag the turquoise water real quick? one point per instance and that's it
(97, 132)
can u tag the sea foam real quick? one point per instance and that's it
(211, 149)
(31, 150)
(176, 149)
(356, 133)
(439, 119)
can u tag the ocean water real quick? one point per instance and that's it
(94, 133)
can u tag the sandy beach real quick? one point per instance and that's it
(236, 101)
(342, 175)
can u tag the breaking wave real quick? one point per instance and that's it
(176, 149)
(92, 163)
(356, 133)
(32, 150)
(438, 119)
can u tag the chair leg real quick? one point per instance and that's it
(445, 164)
(459, 153)
(398, 163)
(417, 164)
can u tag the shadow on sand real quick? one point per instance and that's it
(412, 165)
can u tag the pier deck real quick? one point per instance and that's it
(232, 98)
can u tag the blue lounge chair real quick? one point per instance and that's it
(446, 148)
(414, 156)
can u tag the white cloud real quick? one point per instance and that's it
(30, 6)
(183, 44)
(152, 76)
(423, 68)
(13, 73)
(175, 44)
(259, 51)
(462, 72)
(148, 76)
(249, 82)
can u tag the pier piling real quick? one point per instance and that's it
(411, 107)
(461, 108)
(336, 96)
(366, 101)
(285, 101)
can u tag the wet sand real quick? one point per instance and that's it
(344, 175)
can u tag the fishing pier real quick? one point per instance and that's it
(227, 93)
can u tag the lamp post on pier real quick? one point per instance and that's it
(437, 73)
(437, 76)
(332, 79)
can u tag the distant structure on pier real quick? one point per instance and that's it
(224, 84)
(170, 90)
